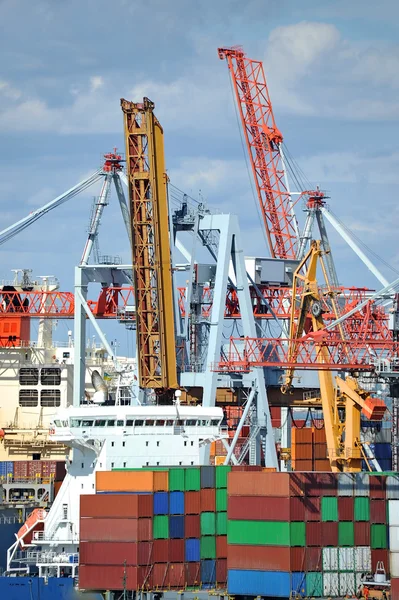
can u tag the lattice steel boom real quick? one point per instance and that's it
(145, 163)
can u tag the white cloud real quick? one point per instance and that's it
(8, 91)
(96, 82)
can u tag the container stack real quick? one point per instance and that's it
(309, 449)
(21, 470)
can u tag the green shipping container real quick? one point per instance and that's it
(221, 475)
(208, 546)
(258, 533)
(161, 527)
(314, 585)
(192, 481)
(176, 480)
(362, 509)
(221, 523)
(221, 500)
(346, 534)
(297, 534)
(379, 536)
(208, 523)
(329, 508)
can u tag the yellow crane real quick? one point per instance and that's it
(342, 403)
(152, 266)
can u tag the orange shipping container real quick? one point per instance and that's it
(258, 483)
(319, 435)
(124, 481)
(302, 465)
(161, 481)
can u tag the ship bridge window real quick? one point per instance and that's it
(203, 423)
(28, 376)
(149, 422)
(139, 422)
(76, 422)
(99, 423)
(191, 422)
(215, 422)
(129, 422)
(57, 423)
(87, 423)
(179, 423)
(50, 376)
(28, 398)
(50, 398)
(169, 423)
(119, 423)
(111, 422)
(159, 423)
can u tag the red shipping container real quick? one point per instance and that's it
(175, 577)
(345, 508)
(395, 588)
(192, 574)
(329, 534)
(322, 465)
(302, 464)
(192, 503)
(221, 573)
(208, 500)
(160, 551)
(145, 530)
(258, 508)
(362, 534)
(108, 553)
(379, 556)
(275, 414)
(313, 534)
(326, 483)
(297, 508)
(144, 554)
(145, 577)
(319, 435)
(258, 484)
(320, 451)
(254, 558)
(221, 546)
(247, 468)
(378, 512)
(21, 469)
(192, 526)
(312, 509)
(35, 468)
(116, 505)
(107, 578)
(159, 575)
(176, 551)
(297, 559)
(297, 484)
(313, 560)
(377, 486)
(109, 530)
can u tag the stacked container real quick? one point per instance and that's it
(309, 449)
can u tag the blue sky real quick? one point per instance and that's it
(332, 69)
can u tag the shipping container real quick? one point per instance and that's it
(221, 546)
(259, 508)
(108, 553)
(108, 577)
(192, 479)
(330, 559)
(298, 533)
(208, 479)
(116, 505)
(392, 487)
(221, 523)
(297, 508)
(161, 527)
(192, 526)
(345, 508)
(208, 523)
(176, 526)
(192, 503)
(221, 500)
(176, 503)
(192, 550)
(313, 534)
(393, 512)
(346, 484)
(362, 559)
(379, 555)
(208, 571)
(325, 484)
(313, 560)
(161, 481)
(329, 533)
(378, 511)
(379, 536)
(257, 558)
(393, 532)
(160, 551)
(192, 574)
(160, 575)
(109, 530)
(362, 509)
(394, 565)
(259, 483)
(298, 584)
(330, 584)
(271, 584)
(208, 500)
(21, 469)
(124, 481)
(347, 584)
(312, 509)
(221, 573)
(176, 550)
(176, 480)
(346, 534)
(270, 533)
(6, 468)
(314, 585)
(161, 503)
(208, 546)
(175, 576)
(145, 553)
(221, 476)
(377, 486)
(329, 508)
(394, 588)
(361, 484)
(297, 559)
(362, 534)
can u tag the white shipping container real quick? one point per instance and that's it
(393, 538)
(362, 486)
(330, 584)
(392, 487)
(362, 559)
(346, 559)
(347, 584)
(394, 564)
(346, 484)
(330, 559)
(393, 512)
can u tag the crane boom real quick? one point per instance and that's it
(152, 270)
(263, 140)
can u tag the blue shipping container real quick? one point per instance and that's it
(161, 504)
(273, 584)
(176, 503)
(298, 583)
(176, 527)
(6, 468)
(192, 550)
(208, 571)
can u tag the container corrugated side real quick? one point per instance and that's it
(175, 576)
(297, 508)
(259, 483)
(297, 559)
(392, 487)
(208, 500)
(377, 486)
(161, 503)
(313, 534)
(362, 534)
(192, 479)
(161, 481)
(124, 481)
(221, 476)
(221, 500)
(208, 523)
(161, 527)
(362, 509)
(192, 574)
(192, 526)
(192, 550)
(379, 555)
(298, 533)
(393, 512)
(345, 508)
(329, 509)
(192, 503)
(378, 513)
(312, 509)
(208, 546)
(314, 584)
(221, 546)
(346, 534)
(221, 573)
(108, 553)
(298, 584)
(330, 559)
(270, 533)
(176, 479)
(274, 584)
(313, 560)
(176, 503)
(379, 536)
(329, 533)
(176, 526)
(361, 484)
(274, 558)
(108, 577)
(176, 550)
(160, 551)
(221, 523)
(331, 584)
(394, 565)
(208, 571)
(259, 508)
(109, 530)
(208, 477)
(346, 484)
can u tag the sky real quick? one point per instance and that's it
(332, 71)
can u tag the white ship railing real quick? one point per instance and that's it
(43, 536)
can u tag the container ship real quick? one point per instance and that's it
(250, 449)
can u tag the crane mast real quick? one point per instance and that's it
(263, 141)
(152, 269)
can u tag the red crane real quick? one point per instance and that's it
(263, 140)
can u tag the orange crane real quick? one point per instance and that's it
(152, 267)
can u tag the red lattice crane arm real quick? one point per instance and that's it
(263, 140)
